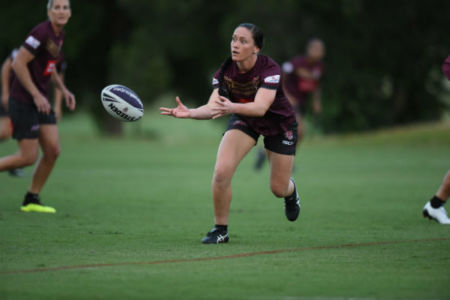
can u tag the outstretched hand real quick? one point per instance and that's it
(223, 106)
(181, 111)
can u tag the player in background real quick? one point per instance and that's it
(302, 75)
(434, 209)
(33, 119)
(248, 87)
(7, 77)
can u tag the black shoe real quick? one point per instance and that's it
(292, 204)
(260, 159)
(215, 236)
(16, 173)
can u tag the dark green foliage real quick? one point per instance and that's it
(382, 66)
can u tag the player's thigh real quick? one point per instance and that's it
(233, 148)
(280, 168)
(49, 139)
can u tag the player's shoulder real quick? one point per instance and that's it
(43, 27)
(267, 62)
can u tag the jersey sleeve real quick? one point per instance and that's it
(271, 77)
(215, 80)
(35, 40)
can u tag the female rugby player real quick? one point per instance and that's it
(434, 209)
(247, 87)
(33, 119)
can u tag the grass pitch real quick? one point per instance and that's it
(131, 213)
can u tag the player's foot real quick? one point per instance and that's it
(38, 207)
(437, 214)
(32, 203)
(292, 204)
(16, 173)
(216, 236)
(260, 159)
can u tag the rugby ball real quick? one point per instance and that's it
(122, 103)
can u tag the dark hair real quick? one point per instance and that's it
(258, 37)
(257, 33)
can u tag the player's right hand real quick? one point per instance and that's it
(181, 111)
(42, 104)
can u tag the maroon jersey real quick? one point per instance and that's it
(297, 86)
(446, 67)
(243, 87)
(43, 43)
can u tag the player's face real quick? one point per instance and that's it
(242, 44)
(59, 14)
(316, 51)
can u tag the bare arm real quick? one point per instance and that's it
(68, 96)
(6, 69)
(203, 112)
(258, 108)
(317, 101)
(57, 104)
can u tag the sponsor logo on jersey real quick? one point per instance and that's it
(32, 42)
(51, 66)
(272, 79)
(215, 81)
(53, 48)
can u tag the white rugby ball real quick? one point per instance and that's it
(122, 103)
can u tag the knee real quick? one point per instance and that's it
(278, 189)
(222, 176)
(29, 158)
(52, 152)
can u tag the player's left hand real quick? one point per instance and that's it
(223, 106)
(70, 99)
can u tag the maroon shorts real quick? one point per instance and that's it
(285, 143)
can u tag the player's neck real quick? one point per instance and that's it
(247, 64)
(56, 28)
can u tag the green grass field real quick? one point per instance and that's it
(136, 209)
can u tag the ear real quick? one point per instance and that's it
(256, 50)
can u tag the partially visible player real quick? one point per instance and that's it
(434, 209)
(33, 119)
(302, 75)
(248, 87)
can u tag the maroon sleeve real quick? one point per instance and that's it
(271, 76)
(215, 80)
(35, 40)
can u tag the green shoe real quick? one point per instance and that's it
(37, 207)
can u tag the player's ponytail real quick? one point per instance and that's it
(223, 89)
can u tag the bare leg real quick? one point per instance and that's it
(280, 172)
(233, 148)
(5, 129)
(27, 155)
(49, 141)
(444, 190)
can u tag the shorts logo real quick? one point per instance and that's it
(51, 65)
(272, 79)
(289, 135)
(32, 42)
(35, 127)
(239, 123)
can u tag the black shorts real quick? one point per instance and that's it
(285, 143)
(3, 112)
(26, 119)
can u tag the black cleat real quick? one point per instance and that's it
(16, 173)
(260, 159)
(292, 204)
(215, 236)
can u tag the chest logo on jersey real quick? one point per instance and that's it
(247, 89)
(53, 48)
(50, 68)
